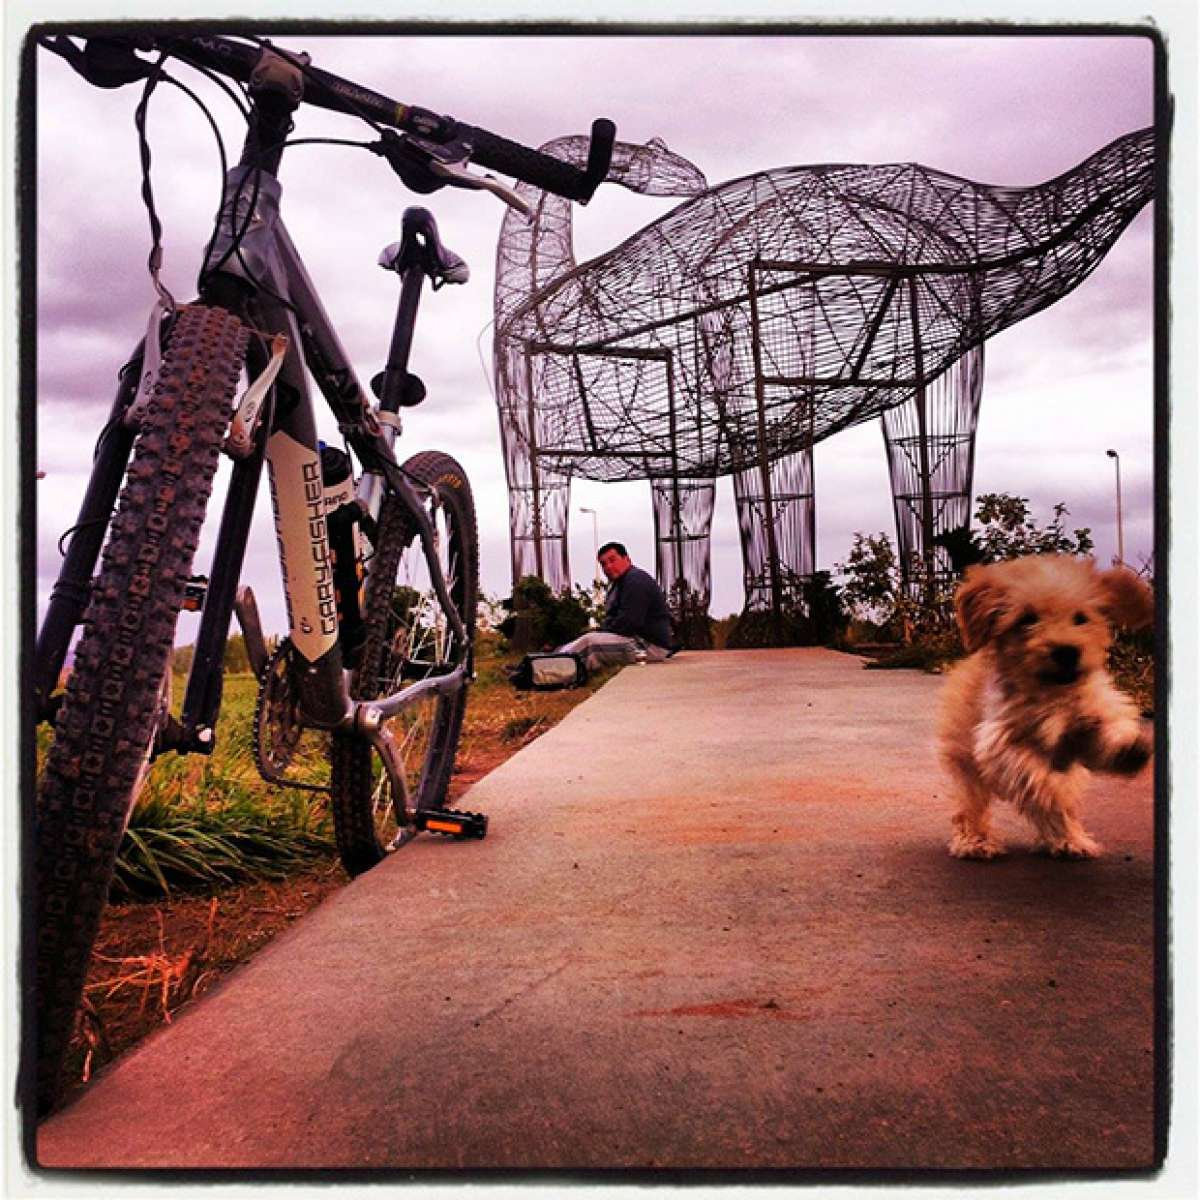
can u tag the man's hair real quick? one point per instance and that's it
(612, 546)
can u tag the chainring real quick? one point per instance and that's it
(277, 721)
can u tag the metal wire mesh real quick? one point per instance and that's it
(768, 313)
(529, 256)
(930, 443)
(683, 510)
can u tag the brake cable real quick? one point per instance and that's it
(139, 117)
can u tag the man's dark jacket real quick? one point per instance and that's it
(636, 607)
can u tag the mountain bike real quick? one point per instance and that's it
(379, 563)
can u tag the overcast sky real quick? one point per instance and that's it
(1059, 388)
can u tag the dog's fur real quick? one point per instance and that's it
(1032, 710)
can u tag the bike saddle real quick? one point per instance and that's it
(421, 246)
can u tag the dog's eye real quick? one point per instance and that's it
(1027, 618)
(1080, 618)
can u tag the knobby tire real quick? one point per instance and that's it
(110, 710)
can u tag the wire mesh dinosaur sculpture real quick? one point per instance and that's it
(765, 314)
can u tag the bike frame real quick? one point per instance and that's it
(264, 281)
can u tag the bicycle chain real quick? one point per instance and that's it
(277, 722)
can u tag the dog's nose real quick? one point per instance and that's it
(1065, 658)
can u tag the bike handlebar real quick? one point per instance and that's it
(541, 170)
(112, 61)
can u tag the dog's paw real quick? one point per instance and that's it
(1131, 758)
(1082, 845)
(1078, 743)
(975, 845)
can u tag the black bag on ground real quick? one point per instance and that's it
(549, 672)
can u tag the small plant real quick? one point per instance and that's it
(916, 606)
(519, 728)
(538, 617)
(176, 844)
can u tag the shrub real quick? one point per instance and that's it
(918, 608)
(815, 616)
(539, 617)
(1007, 530)
(871, 581)
(1131, 663)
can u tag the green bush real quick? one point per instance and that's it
(917, 607)
(538, 617)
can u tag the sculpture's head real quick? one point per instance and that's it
(650, 169)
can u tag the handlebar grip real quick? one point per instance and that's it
(541, 170)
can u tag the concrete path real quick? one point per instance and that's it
(714, 925)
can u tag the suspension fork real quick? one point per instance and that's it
(205, 684)
(290, 440)
(69, 599)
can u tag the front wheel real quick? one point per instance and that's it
(116, 692)
(408, 638)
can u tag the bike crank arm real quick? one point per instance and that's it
(461, 826)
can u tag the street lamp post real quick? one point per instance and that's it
(1120, 525)
(595, 542)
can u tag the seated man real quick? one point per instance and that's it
(636, 618)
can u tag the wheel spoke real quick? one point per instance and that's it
(410, 637)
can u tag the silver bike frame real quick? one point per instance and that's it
(266, 257)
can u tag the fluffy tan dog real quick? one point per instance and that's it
(1032, 709)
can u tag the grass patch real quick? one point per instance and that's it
(519, 728)
(208, 842)
(933, 657)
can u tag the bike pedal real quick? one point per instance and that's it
(195, 593)
(446, 821)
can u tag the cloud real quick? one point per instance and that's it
(997, 109)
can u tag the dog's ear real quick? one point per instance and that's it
(979, 603)
(1125, 599)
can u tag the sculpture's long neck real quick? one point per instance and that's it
(531, 253)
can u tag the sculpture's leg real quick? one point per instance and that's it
(538, 498)
(776, 560)
(538, 518)
(554, 494)
(683, 511)
(930, 442)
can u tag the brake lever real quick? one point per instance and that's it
(103, 62)
(458, 176)
(426, 166)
